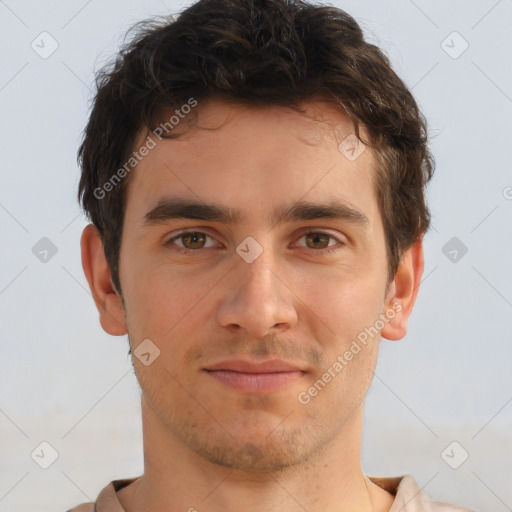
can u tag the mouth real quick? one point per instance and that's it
(252, 377)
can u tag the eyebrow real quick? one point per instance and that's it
(180, 208)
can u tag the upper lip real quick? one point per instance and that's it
(239, 365)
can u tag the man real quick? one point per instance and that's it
(255, 176)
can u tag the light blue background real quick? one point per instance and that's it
(64, 381)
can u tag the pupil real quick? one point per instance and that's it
(315, 238)
(193, 238)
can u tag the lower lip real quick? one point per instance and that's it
(255, 382)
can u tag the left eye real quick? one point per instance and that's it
(319, 240)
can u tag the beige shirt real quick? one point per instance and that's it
(408, 497)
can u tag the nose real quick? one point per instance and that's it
(257, 298)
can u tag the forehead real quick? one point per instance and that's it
(248, 157)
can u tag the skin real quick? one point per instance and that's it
(209, 446)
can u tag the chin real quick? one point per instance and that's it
(259, 447)
(255, 457)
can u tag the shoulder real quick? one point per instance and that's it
(83, 507)
(107, 499)
(410, 498)
(440, 506)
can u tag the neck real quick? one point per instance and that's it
(178, 479)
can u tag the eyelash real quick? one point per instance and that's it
(188, 251)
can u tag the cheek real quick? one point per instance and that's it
(343, 315)
(340, 303)
(163, 300)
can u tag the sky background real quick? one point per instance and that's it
(67, 383)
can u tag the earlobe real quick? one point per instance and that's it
(96, 269)
(402, 292)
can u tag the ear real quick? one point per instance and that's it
(402, 292)
(96, 269)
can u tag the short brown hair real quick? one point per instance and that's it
(259, 53)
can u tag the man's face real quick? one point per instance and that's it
(316, 285)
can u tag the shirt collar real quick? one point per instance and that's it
(408, 496)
